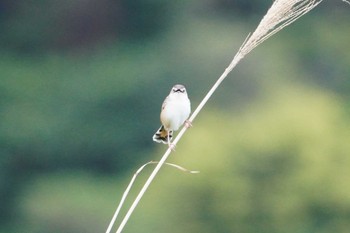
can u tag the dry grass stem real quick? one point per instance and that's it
(281, 14)
(126, 192)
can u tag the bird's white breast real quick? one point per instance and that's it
(176, 110)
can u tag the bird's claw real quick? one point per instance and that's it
(188, 124)
(172, 146)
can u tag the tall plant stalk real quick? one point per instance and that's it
(281, 14)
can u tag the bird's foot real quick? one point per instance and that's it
(188, 124)
(172, 146)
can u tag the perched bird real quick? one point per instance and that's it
(175, 110)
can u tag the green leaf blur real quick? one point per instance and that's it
(81, 87)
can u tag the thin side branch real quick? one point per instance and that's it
(126, 192)
(346, 1)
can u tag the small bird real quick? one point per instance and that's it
(175, 110)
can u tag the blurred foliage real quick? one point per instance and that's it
(81, 87)
(279, 166)
(32, 26)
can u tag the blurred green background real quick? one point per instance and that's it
(81, 87)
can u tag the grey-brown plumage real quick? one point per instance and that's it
(175, 110)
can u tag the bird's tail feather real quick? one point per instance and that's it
(162, 135)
